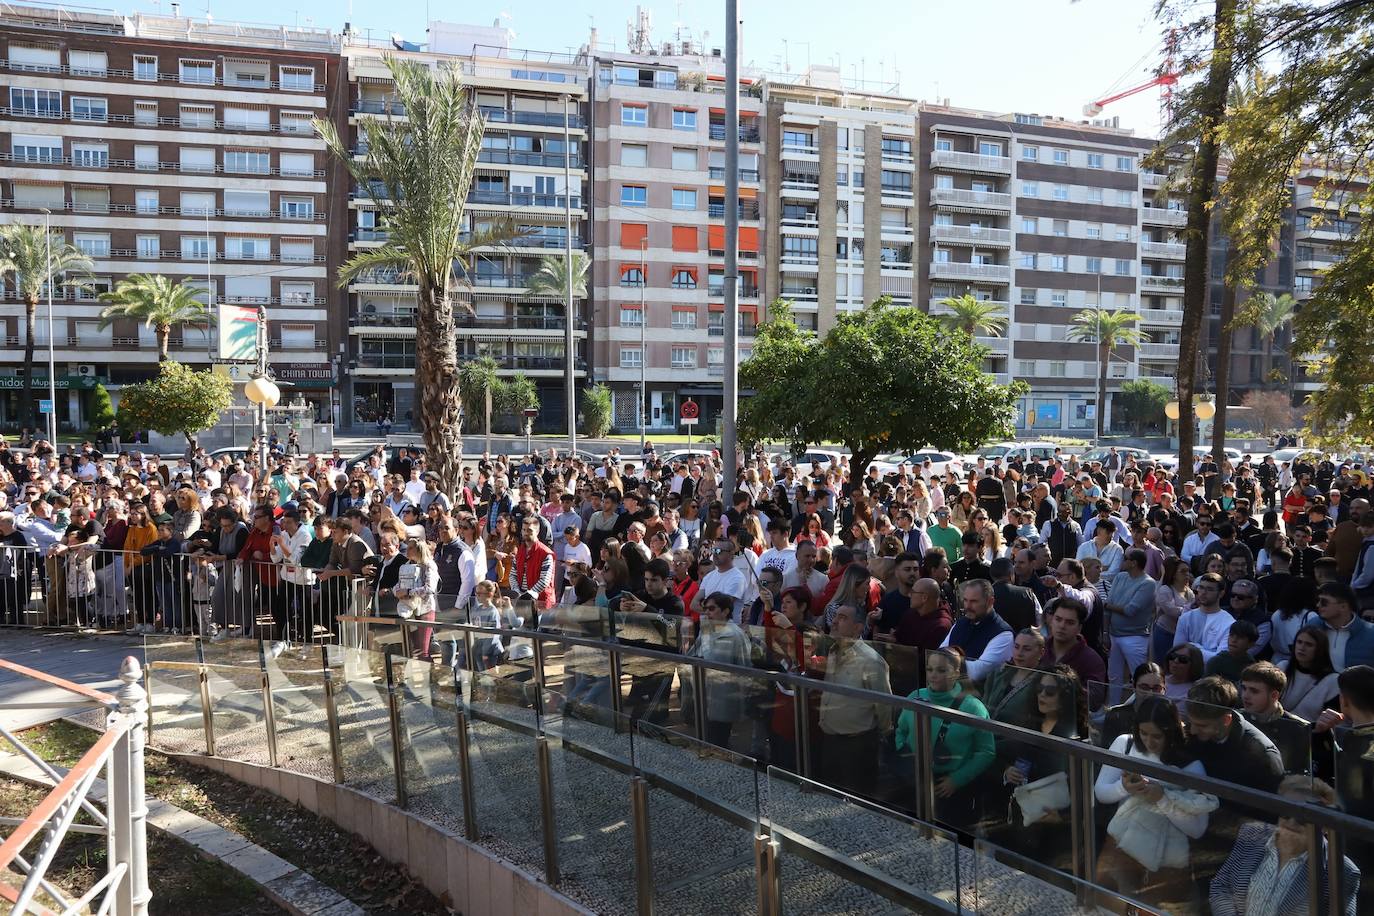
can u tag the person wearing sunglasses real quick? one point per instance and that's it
(1198, 540)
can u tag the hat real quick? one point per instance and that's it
(431, 475)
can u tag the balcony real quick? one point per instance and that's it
(1158, 350)
(378, 106)
(746, 134)
(1170, 317)
(1151, 180)
(522, 199)
(977, 200)
(1164, 216)
(1172, 250)
(534, 118)
(999, 346)
(810, 186)
(197, 212)
(970, 162)
(498, 281)
(369, 236)
(717, 211)
(901, 193)
(799, 293)
(960, 270)
(810, 221)
(972, 235)
(717, 173)
(1315, 264)
(1161, 283)
(938, 307)
(800, 150)
(105, 163)
(521, 157)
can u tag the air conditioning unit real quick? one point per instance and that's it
(85, 370)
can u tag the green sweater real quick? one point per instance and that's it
(966, 752)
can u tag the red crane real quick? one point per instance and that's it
(1167, 78)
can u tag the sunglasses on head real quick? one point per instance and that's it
(1049, 690)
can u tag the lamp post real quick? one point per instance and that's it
(568, 360)
(731, 381)
(643, 346)
(52, 372)
(262, 391)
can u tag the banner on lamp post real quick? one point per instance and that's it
(238, 332)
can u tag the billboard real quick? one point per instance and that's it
(238, 332)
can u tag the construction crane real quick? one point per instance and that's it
(1166, 79)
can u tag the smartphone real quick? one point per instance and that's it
(1024, 766)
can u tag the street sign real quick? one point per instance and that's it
(531, 412)
(45, 406)
(689, 421)
(689, 411)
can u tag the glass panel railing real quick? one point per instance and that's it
(649, 693)
(1003, 883)
(364, 720)
(707, 793)
(427, 711)
(300, 711)
(234, 672)
(822, 831)
(174, 696)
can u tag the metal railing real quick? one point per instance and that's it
(123, 888)
(557, 739)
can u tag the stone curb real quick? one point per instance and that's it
(285, 884)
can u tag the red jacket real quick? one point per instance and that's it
(257, 550)
(533, 571)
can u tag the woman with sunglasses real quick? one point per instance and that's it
(720, 640)
(1146, 681)
(1184, 665)
(1173, 596)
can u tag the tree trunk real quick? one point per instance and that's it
(1104, 355)
(164, 341)
(1201, 189)
(437, 402)
(486, 397)
(26, 403)
(1225, 337)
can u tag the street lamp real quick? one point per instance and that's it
(262, 391)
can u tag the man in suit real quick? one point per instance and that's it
(1018, 606)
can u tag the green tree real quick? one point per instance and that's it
(551, 279)
(884, 378)
(596, 411)
(1142, 403)
(975, 317)
(180, 400)
(480, 384)
(1268, 314)
(517, 395)
(418, 171)
(1109, 330)
(32, 259)
(158, 303)
(100, 415)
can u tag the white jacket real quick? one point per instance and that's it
(1155, 834)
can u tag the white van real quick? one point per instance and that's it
(1019, 451)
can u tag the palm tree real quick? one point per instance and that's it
(975, 317)
(1267, 314)
(418, 171)
(551, 279)
(35, 260)
(481, 385)
(1107, 329)
(158, 303)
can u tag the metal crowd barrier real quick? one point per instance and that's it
(567, 752)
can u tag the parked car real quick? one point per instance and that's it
(1019, 451)
(685, 454)
(940, 462)
(1100, 454)
(823, 457)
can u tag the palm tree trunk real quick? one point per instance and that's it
(26, 403)
(164, 341)
(437, 402)
(486, 398)
(1104, 354)
(1225, 337)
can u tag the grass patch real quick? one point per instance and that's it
(317, 846)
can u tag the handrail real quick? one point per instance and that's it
(89, 693)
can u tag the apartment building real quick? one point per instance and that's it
(1047, 217)
(658, 226)
(1324, 221)
(160, 144)
(525, 97)
(841, 211)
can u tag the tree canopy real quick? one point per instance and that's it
(885, 378)
(1142, 403)
(180, 400)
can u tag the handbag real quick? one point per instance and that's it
(1036, 799)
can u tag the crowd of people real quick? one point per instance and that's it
(1215, 618)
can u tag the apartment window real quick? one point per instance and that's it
(1025, 367)
(1093, 265)
(1030, 189)
(146, 158)
(195, 247)
(297, 208)
(247, 248)
(1059, 297)
(989, 148)
(88, 108)
(799, 250)
(146, 200)
(1125, 163)
(1125, 198)
(797, 138)
(297, 250)
(1027, 261)
(297, 293)
(631, 316)
(1092, 231)
(145, 68)
(251, 162)
(1029, 295)
(197, 117)
(35, 103)
(197, 159)
(201, 203)
(296, 164)
(145, 113)
(634, 155)
(37, 148)
(39, 58)
(684, 160)
(1061, 228)
(91, 155)
(684, 119)
(1030, 153)
(715, 356)
(1094, 160)
(92, 244)
(684, 199)
(633, 235)
(684, 319)
(198, 72)
(87, 63)
(1061, 157)
(1123, 267)
(1030, 224)
(296, 122)
(631, 357)
(894, 148)
(895, 182)
(634, 115)
(149, 247)
(297, 79)
(684, 357)
(1058, 368)
(684, 278)
(632, 276)
(1059, 262)
(1094, 195)
(1061, 192)
(1123, 235)
(944, 145)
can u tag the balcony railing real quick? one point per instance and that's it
(717, 211)
(523, 199)
(960, 197)
(1163, 249)
(717, 173)
(197, 212)
(521, 157)
(106, 163)
(1164, 215)
(534, 118)
(117, 73)
(965, 271)
(970, 162)
(377, 106)
(746, 134)
(1156, 281)
(977, 235)
(1158, 350)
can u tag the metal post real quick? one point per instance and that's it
(699, 697)
(728, 442)
(398, 757)
(207, 718)
(546, 811)
(52, 371)
(568, 316)
(802, 723)
(465, 776)
(925, 770)
(331, 711)
(644, 861)
(1314, 869)
(643, 345)
(262, 407)
(269, 712)
(1082, 826)
(767, 876)
(617, 700)
(538, 644)
(209, 293)
(128, 809)
(1335, 859)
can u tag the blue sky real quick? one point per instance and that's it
(1045, 56)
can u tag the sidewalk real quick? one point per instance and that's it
(86, 660)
